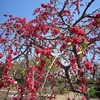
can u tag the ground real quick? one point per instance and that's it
(70, 95)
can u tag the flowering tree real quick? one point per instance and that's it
(56, 43)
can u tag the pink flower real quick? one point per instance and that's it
(1, 55)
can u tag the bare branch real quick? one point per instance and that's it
(83, 14)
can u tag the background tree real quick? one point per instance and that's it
(58, 45)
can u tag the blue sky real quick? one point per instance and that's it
(24, 8)
(21, 8)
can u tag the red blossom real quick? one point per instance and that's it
(83, 98)
(83, 38)
(76, 40)
(1, 84)
(73, 60)
(15, 43)
(80, 71)
(83, 88)
(10, 51)
(41, 51)
(78, 49)
(9, 60)
(15, 53)
(32, 68)
(3, 40)
(97, 16)
(91, 40)
(83, 80)
(55, 30)
(87, 65)
(1, 55)
(96, 20)
(51, 29)
(66, 13)
(36, 11)
(77, 30)
(43, 5)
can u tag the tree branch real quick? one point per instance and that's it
(83, 14)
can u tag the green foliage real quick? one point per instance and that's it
(97, 88)
(94, 91)
(84, 45)
(20, 80)
(61, 88)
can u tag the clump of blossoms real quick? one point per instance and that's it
(96, 21)
(77, 30)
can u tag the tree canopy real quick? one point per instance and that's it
(55, 44)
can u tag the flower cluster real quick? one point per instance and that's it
(1, 55)
(78, 35)
(43, 51)
(31, 83)
(77, 30)
(87, 65)
(96, 21)
(83, 88)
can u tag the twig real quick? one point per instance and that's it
(83, 14)
(7, 93)
(48, 74)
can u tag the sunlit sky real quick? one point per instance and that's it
(21, 8)
(25, 8)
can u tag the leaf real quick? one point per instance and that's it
(49, 68)
(84, 45)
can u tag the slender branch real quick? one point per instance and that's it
(89, 4)
(92, 29)
(95, 11)
(83, 14)
(77, 57)
(95, 39)
(71, 84)
(60, 13)
(36, 44)
(52, 38)
(21, 53)
(48, 74)
(7, 93)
